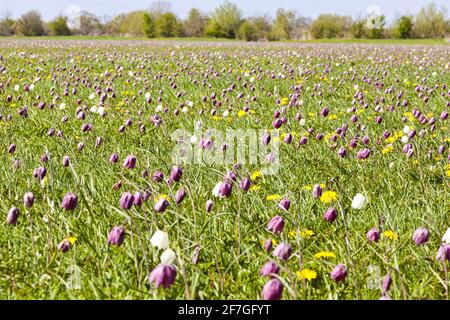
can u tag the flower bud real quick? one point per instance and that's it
(12, 216)
(420, 236)
(269, 268)
(283, 251)
(116, 236)
(163, 275)
(69, 201)
(126, 200)
(373, 235)
(339, 273)
(28, 199)
(276, 225)
(330, 215)
(130, 162)
(272, 290)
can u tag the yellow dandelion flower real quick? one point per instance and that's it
(311, 114)
(284, 101)
(241, 113)
(273, 197)
(387, 149)
(72, 240)
(390, 234)
(292, 234)
(328, 196)
(325, 255)
(216, 118)
(162, 196)
(306, 274)
(332, 117)
(255, 188)
(306, 233)
(255, 175)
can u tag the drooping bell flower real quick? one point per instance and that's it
(130, 162)
(283, 251)
(363, 154)
(160, 239)
(244, 184)
(113, 158)
(330, 215)
(126, 200)
(179, 195)
(317, 191)
(69, 202)
(373, 235)
(209, 205)
(138, 199)
(39, 173)
(158, 176)
(175, 174)
(359, 201)
(28, 199)
(420, 236)
(284, 204)
(116, 236)
(163, 275)
(339, 273)
(66, 161)
(273, 290)
(276, 225)
(161, 205)
(13, 215)
(269, 268)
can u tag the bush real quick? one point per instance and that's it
(330, 26)
(247, 31)
(403, 27)
(58, 27)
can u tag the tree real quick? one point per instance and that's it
(167, 25)
(247, 31)
(149, 25)
(403, 27)
(195, 23)
(89, 24)
(6, 25)
(377, 24)
(262, 25)
(30, 24)
(58, 26)
(430, 22)
(330, 26)
(283, 25)
(225, 21)
(359, 29)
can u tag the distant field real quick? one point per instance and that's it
(366, 41)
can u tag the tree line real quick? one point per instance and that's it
(227, 21)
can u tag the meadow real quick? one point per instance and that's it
(95, 207)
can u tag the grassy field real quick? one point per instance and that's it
(322, 105)
(188, 39)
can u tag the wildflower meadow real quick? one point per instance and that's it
(224, 170)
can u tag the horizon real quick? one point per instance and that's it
(108, 9)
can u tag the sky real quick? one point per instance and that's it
(310, 8)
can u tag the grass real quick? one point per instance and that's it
(404, 193)
(187, 39)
